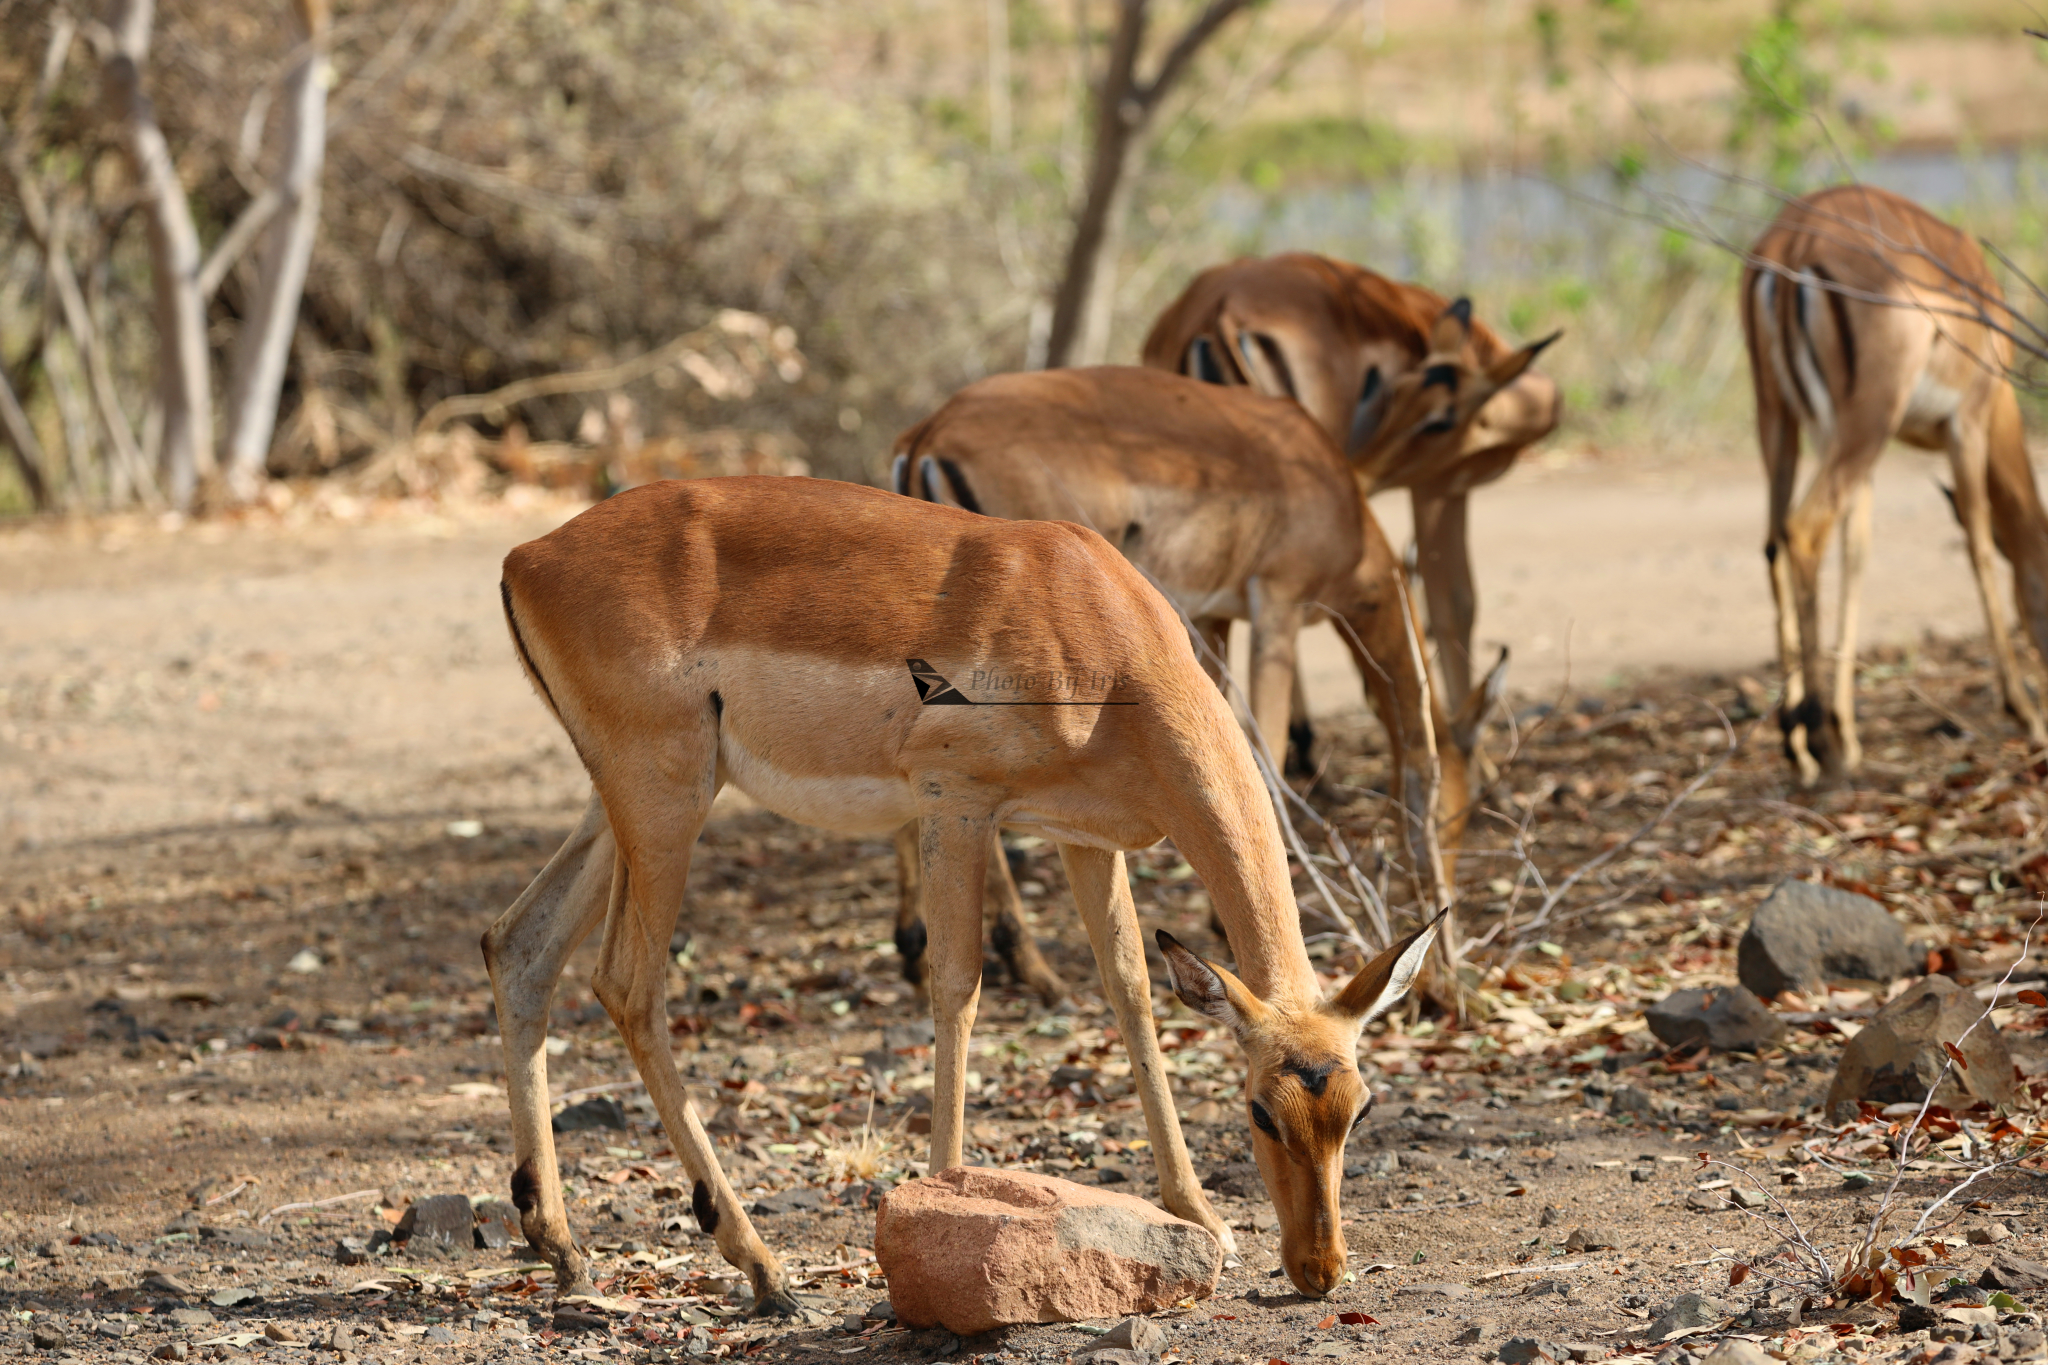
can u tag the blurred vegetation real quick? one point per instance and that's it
(545, 185)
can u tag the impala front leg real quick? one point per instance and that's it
(954, 851)
(1104, 895)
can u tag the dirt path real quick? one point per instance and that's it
(1618, 566)
(262, 787)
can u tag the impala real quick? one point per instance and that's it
(1861, 311)
(816, 644)
(1335, 336)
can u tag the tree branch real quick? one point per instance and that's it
(1183, 51)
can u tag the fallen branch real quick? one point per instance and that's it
(317, 1204)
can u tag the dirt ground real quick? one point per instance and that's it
(262, 786)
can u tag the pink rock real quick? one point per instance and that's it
(971, 1249)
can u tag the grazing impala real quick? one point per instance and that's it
(1334, 336)
(1861, 313)
(1238, 507)
(816, 644)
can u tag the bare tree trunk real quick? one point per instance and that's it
(174, 255)
(266, 339)
(21, 438)
(1124, 106)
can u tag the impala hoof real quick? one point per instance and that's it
(776, 1303)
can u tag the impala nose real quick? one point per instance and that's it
(1314, 1270)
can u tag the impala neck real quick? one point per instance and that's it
(1231, 838)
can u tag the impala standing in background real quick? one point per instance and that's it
(1334, 336)
(1861, 313)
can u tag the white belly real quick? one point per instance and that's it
(845, 804)
(1928, 412)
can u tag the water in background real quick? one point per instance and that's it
(1453, 228)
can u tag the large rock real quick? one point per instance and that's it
(1724, 1018)
(1806, 935)
(971, 1249)
(1896, 1059)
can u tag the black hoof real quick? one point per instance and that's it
(776, 1303)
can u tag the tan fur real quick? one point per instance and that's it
(1853, 373)
(1329, 323)
(757, 631)
(1237, 506)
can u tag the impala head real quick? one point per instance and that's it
(1303, 1093)
(1429, 405)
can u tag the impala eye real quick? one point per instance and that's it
(1264, 1120)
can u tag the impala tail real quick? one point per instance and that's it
(928, 477)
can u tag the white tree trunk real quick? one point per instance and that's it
(266, 338)
(174, 256)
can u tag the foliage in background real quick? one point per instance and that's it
(525, 189)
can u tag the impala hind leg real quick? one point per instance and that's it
(1010, 937)
(524, 952)
(910, 936)
(1969, 462)
(631, 980)
(1778, 440)
(1855, 549)
(1103, 892)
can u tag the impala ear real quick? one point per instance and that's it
(1385, 979)
(1208, 989)
(1453, 328)
(1510, 368)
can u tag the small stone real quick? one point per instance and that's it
(1525, 1350)
(1561, 1288)
(247, 1239)
(1117, 1355)
(1989, 1233)
(600, 1111)
(1642, 1175)
(1629, 1099)
(444, 1218)
(1806, 935)
(282, 1334)
(2014, 1274)
(172, 1350)
(571, 1320)
(1112, 1174)
(48, 1339)
(1900, 1056)
(1724, 1018)
(1689, 1310)
(232, 1296)
(1594, 1238)
(351, 1251)
(439, 1335)
(191, 1317)
(972, 1249)
(114, 1327)
(1134, 1333)
(491, 1236)
(1469, 1337)
(1585, 1350)
(697, 1342)
(160, 1282)
(1550, 1217)
(1736, 1351)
